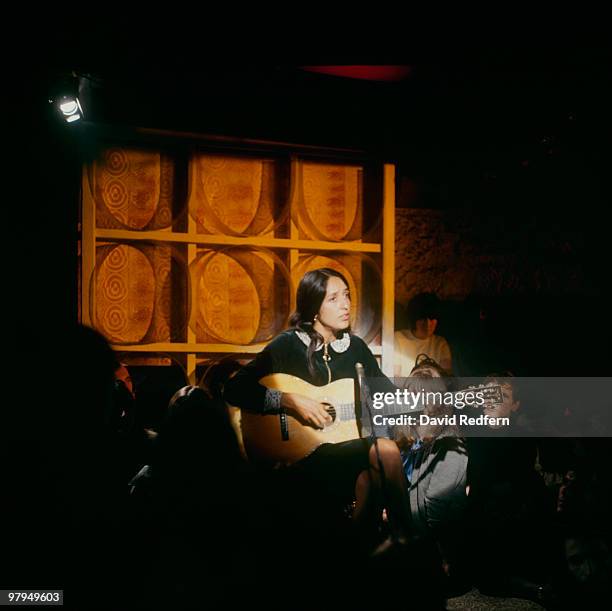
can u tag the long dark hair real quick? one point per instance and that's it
(310, 295)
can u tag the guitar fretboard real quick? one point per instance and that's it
(344, 411)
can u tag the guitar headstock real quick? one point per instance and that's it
(491, 393)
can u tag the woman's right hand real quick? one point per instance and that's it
(310, 412)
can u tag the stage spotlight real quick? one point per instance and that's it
(66, 99)
(70, 108)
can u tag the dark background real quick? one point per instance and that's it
(505, 127)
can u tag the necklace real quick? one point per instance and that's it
(326, 359)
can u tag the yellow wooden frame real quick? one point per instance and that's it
(91, 235)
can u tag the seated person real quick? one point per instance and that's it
(122, 373)
(193, 502)
(136, 441)
(435, 463)
(508, 505)
(320, 349)
(587, 567)
(422, 311)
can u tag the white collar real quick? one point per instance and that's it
(339, 345)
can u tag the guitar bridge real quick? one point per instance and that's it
(284, 427)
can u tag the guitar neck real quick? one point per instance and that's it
(491, 394)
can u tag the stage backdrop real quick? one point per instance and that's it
(190, 255)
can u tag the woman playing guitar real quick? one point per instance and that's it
(319, 349)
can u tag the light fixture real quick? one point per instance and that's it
(66, 99)
(71, 109)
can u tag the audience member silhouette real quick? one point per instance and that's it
(510, 508)
(203, 520)
(91, 505)
(194, 495)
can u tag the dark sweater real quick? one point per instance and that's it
(287, 353)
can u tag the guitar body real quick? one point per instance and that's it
(262, 434)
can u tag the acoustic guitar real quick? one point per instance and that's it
(273, 438)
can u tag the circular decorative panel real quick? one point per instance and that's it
(139, 293)
(124, 295)
(133, 189)
(237, 196)
(238, 295)
(329, 199)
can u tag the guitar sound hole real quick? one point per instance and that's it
(331, 410)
